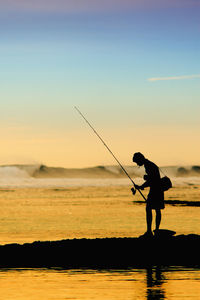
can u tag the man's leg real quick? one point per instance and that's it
(148, 218)
(158, 218)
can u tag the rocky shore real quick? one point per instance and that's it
(180, 250)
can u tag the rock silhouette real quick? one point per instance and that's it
(180, 250)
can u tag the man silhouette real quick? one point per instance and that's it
(155, 198)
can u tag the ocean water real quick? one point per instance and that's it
(53, 209)
(29, 214)
(140, 284)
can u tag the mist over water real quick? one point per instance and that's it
(33, 177)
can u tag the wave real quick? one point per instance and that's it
(42, 171)
(12, 172)
(44, 176)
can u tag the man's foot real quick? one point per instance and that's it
(148, 234)
(156, 231)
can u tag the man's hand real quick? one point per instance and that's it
(139, 187)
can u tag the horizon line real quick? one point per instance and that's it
(92, 166)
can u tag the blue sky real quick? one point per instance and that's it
(99, 57)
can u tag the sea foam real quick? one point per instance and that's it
(24, 177)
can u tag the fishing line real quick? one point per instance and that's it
(108, 150)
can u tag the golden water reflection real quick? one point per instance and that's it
(155, 280)
(142, 284)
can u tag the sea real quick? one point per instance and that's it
(43, 209)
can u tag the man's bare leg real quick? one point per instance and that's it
(158, 218)
(149, 219)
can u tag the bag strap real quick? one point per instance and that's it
(162, 172)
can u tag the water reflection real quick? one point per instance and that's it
(155, 280)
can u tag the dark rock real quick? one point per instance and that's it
(182, 250)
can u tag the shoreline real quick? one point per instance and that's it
(104, 253)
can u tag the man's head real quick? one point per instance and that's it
(138, 158)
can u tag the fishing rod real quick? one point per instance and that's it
(109, 151)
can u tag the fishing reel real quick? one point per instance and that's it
(133, 190)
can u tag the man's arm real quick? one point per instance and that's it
(143, 186)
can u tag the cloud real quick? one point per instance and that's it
(174, 77)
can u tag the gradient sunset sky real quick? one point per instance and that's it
(132, 67)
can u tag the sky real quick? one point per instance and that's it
(131, 66)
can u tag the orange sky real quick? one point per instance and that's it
(81, 148)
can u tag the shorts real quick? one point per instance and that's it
(155, 200)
